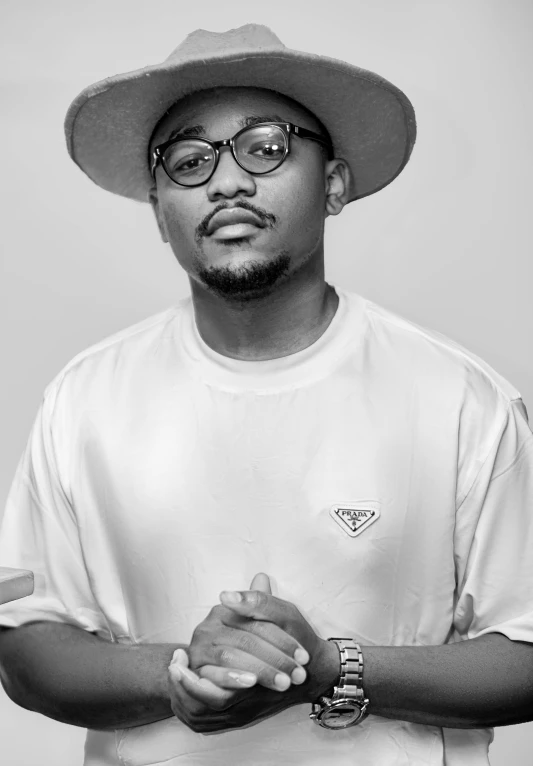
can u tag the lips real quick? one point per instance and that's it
(232, 217)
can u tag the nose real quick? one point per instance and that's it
(229, 179)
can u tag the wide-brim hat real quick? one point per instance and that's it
(371, 122)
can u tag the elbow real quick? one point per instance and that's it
(14, 691)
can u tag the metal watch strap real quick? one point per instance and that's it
(350, 684)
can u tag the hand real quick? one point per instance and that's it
(200, 699)
(209, 699)
(209, 709)
(260, 606)
(228, 642)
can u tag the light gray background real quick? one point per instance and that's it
(447, 245)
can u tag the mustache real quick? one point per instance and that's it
(268, 219)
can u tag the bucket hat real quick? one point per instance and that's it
(371, 122)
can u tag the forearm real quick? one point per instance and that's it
(487, 681)
(77, 678)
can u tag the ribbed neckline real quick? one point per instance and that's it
(302, 368)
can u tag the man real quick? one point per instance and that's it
(270, 429)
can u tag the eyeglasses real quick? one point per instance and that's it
(259, 149)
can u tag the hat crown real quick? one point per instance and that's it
(248, 37)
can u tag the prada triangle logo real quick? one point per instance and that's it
(354, 518)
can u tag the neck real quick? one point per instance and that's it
(291, 318)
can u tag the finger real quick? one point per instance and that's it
(264, 607)
(227, 678)
(278, 674)
(259, 606)
(261, 582)
(265, 653)
(275, 636)
(180, 657)
(200, 689)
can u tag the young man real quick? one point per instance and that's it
(269, 426)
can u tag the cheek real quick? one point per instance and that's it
(180, 209)
(305, 204)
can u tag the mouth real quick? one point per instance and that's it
(234, 223)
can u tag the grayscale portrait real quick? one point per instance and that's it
(267, 476)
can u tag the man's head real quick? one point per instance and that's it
(278, 219)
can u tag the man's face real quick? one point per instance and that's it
(286, 207)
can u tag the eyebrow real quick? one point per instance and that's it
(245, 122)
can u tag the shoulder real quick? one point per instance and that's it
(447, 385)
(431, 353)
(116, 354)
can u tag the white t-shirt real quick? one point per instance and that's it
(159, 472)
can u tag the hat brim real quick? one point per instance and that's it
(371, 122)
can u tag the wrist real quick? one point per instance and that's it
(348, 705)
(327, 673)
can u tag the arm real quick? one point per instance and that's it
(484, 681)
(75, 677)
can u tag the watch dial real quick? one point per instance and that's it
(341, 716)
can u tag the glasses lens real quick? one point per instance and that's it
(189, 162)
(261, 148)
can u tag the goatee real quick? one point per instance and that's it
(246, 282)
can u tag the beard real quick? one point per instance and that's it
(246, 282)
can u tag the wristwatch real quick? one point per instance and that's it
(348, 706)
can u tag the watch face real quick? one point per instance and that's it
(340, 715)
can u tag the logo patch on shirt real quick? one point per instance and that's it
(354, 518)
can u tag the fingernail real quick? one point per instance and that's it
(301, 656)
(298, 676)
(180, 655)
(233, 596)
(282, 682)
(245, 679)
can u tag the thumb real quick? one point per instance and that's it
(261, 582)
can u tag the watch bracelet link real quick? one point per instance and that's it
(350, 685)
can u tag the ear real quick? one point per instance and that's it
(337, 177)
(154, 202)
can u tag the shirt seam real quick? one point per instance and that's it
(489, 451)
(106, 343)
(450, 345)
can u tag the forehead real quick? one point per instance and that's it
(227, 104)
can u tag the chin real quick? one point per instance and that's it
(245, 278)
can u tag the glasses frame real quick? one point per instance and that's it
(287, 127)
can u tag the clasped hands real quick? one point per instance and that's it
(253, 656)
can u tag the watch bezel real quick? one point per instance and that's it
(320, 712)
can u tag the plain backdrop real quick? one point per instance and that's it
(447, 245)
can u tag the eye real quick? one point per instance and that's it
(189, 163)
(267, 149)
(188, 157)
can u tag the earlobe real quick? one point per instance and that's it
(154, 202)
(337, 181)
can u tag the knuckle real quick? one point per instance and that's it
(284, 664)
(246, 642)
(199, 633)
(224, 656)
(196, 656)
(218, 612)
(296, 612)
(254, 598)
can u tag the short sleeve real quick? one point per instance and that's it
(39, 532)
(494, 538)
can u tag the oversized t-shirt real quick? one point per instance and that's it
(160, 472)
